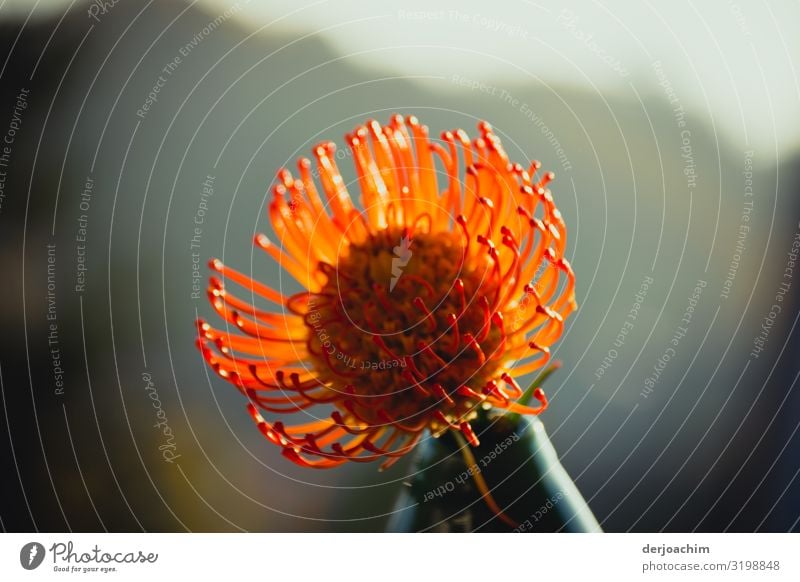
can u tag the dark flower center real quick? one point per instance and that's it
(403, 321)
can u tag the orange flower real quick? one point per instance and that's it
(420, 305)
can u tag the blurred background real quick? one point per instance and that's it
(673, 134)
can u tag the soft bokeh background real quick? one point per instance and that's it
(651, 116)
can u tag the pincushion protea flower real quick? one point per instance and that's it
(422, 303)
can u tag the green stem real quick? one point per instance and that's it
(472, 465)
(513, 417)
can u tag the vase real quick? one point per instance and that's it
(529, 489)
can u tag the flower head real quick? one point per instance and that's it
(422, 302)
